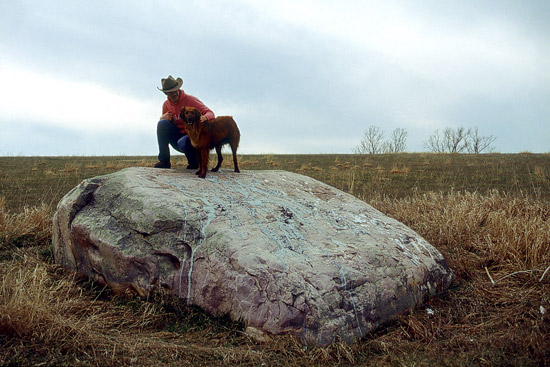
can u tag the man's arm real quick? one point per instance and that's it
(207, 113)
(166, 115)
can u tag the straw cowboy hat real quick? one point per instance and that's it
(170, 84)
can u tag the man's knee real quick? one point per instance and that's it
(184, 144)
(164, 126)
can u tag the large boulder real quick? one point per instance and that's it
(281, 252)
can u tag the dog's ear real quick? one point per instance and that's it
(197, 115)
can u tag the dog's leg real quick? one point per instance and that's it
(204, 162)
(234, 151)
(220, 158)
(199, 161)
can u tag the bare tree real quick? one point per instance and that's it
(451, 141)
(459, 140)
(397, 142)
(372, 142)
(455, 141)
(478, 144)
(435, 143)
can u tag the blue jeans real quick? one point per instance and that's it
(168, 133)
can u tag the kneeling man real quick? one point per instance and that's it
(171, 128)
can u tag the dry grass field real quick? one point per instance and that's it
(488, 214)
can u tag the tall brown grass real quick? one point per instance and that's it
(47, 314)
(508, 232)
(31, 226)
(497, 244)
(499, 247)
(497, 313)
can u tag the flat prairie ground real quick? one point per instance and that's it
(489, 215)
(27, 181)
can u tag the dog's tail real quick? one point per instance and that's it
(236, 138)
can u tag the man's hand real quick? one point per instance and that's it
(203, 118)
(167, 116)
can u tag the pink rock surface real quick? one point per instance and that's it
(281, 252)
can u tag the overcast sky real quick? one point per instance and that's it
(299, 76)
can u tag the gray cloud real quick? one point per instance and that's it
(299, 77)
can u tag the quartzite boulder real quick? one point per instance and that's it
(281, 252)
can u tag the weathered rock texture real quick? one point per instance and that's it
(282, 252)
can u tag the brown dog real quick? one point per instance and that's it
(210, 134)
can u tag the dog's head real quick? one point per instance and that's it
(190, 115)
